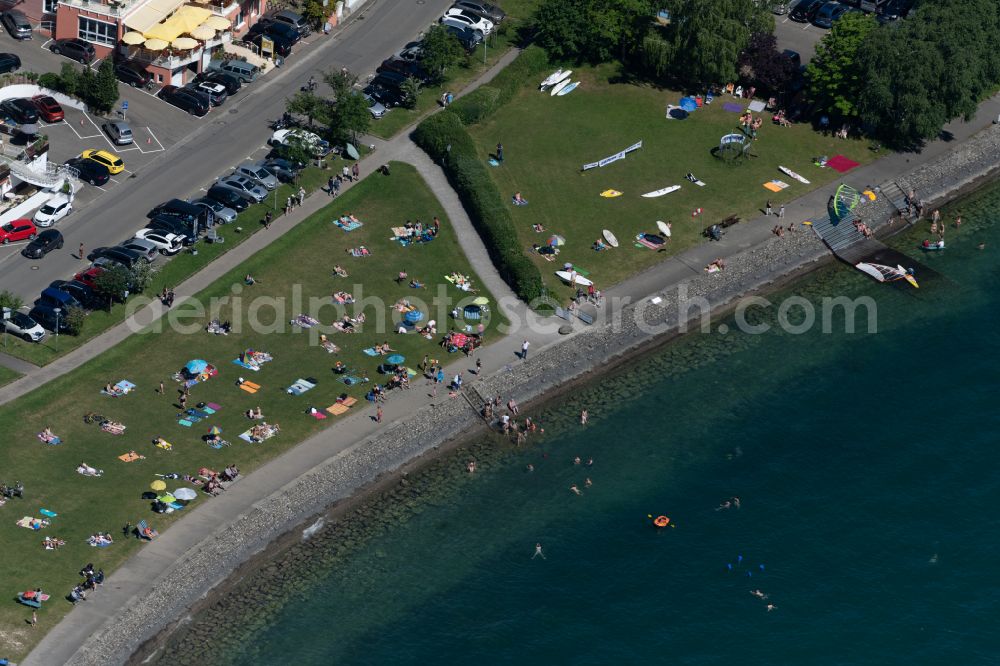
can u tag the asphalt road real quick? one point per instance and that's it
(799, 37)
(204, 150)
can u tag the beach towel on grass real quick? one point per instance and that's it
(347, 224)
(210, 410)
(212, 405)
(245, 386)
(243, 364)
(304, 321)
(370, 351)
(185, 423)
(131, 456)
(317, 415)
(246, 437)
(351, 381)
(841, 163)
(49, 440)
(121, 388)
(46, 512)
(732, 107)
(776, 185)
(337, 409)
(301, 386)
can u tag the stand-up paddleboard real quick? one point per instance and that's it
(579, 279)
(568, 89)
(559, 86)
(610, 194)
(663, 227)
(789, 172)
(660, 193)
(610, 237)
(552, 78)
(351, 151)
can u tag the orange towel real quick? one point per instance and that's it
(130, 457)
(249, 389)
(337, 409)
(348, 402)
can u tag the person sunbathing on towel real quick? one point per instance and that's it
(599, 245)
(339, 271)
(519, 200)
(416, 284)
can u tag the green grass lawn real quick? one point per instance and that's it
(504, 37)
(298, 266)
(547, 140)
(7, 375)
(170, 273)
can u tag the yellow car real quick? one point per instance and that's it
(114, 163)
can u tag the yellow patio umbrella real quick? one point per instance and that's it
(133, 38)
(184, 43)
(203, 32)
(158, 485)
(218, 23)
(155, 44)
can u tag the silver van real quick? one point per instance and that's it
(241, 69)
(17, 24)
(294, 19)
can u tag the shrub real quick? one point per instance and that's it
(486, 100)
(443, 137)
(75, 318)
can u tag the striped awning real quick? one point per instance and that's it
(151, 13)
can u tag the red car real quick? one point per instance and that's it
(87, 277)
(18, 230)
(48, 108)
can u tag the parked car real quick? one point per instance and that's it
(57, 298)
(166, 243)
(49, 318)
(118, 255)
(465, 19)
(468, 38)
(18, 230)
(375, 107)
(24, 327)
(221, 211)
(141, 246)
(282, 46)
(133, 74)
(295, 20)
(9, 62)
(484, 9)
(78, 290)
(216, 92)
(231, 83)
(87, 276)
(243, 186)
(805, 10)
(317, 146)
(241, 69)
(171, 225)
(48, 108)
(387, 97)
(90, 171)
(74, 49)
(413, 52)
(53, 210)
(112, 162)
(118, 131)
(824, 16)
(185, 211)
(228, 198)
(285, 170)
(186, 100)
(17, 24)
(45, 242)
(406, 68)
(257, 173)
(391, 80)
(283, 31)
(20, 110)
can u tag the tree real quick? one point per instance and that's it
(9, 299)
(835, 79)
(592, 30)
(105, 88)
(309, 104)
(69, 79)
(86, 85)
(75, 318)
(764, 65)
(296, 151)
(141, 276)
(341, 82)
(315, 13)
(410, 89)
(350, 117)
(112, 283)
(441, 51)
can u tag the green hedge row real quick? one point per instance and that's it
(445, 139)
(486, 100)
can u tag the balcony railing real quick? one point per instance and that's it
(116, 8)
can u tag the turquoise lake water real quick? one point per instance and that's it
(866, 465)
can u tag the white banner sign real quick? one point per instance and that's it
(613, 158)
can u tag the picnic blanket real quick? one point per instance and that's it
(841, 163)
(359, 251)
(348, 223)
(250, 387)
(49, 440)
(351, 380)
(316, 414)
(641, 240)
(131, 456)
(259, 433)
(303, 321)
(124, 387)
(301, 386)
(337, 409)
(113, 428)
(757, 106)
(330, 347)
(32, 523)
(370, 351)
(732, 107)
(776, 185)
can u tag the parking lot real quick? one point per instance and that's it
(799, 37)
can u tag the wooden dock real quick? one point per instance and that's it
(843, 238)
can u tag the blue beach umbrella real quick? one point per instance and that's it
(196, 367)
(413, 316)
(395, 359)
(688, 104)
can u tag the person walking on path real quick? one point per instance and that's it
(267, 220)
(80, 253)
(524, 350)
(499, 152)
(302, 195)
(781, 212)
(336, 186)
(288, 205)
(34, 619)
(161, 388)
(378, 414)
(329, 186)
(356, 171)
(768, 209)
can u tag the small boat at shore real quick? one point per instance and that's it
(884, 273)
(929, 246)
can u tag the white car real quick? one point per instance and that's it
(285, 137)
(461, 18)
(54, 210)
(167, 243)
(25, 327)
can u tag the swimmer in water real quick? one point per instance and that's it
(530, 467)
(538, 552)
(471, 466)
(588, 483)
(736, 502)
(583, 417)
(590, 462)
(575, 489)
(771, 607)
(576, 461)
(724, 505)
(758, 594)
(982, 246)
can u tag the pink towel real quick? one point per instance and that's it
(841, 163)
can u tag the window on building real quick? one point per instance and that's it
(239, 19)
(49, 6)
(98, 32)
